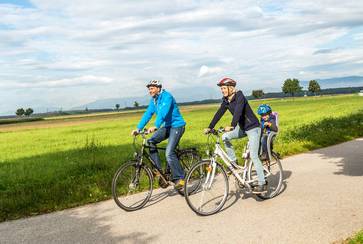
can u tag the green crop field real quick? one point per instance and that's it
(59, 163)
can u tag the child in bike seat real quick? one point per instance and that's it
(268, 123)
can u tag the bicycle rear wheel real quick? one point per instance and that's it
(273, 175)
(187, 159)
(132, 186)
(210, 188)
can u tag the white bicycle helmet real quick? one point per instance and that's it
(154, 83)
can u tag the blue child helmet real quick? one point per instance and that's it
(264, 109)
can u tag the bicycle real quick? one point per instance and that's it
(132, 184)
(213, 186)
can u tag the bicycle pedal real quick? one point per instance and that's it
(163, 184)
(239, 184)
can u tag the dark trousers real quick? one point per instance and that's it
(173, 135)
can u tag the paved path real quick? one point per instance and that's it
(322, 202)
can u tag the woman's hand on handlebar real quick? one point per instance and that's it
(214, 131)
(207, 130)
(228, 128)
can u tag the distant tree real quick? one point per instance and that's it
(86, 109)
(136, 104)
(291, 86)
(20, 112)
(257, 93)
(314, 87)
(117, 106)
(28, 112)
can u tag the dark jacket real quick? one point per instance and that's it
(272, 127)
(241, 111)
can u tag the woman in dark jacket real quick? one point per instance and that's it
(244, 123)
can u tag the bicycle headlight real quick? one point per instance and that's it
(207, 152)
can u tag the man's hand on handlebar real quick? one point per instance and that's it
(135, 132)
(151, 130)
(144, 131)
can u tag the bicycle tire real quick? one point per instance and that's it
(274, 179)
(187, 159)
(135, 179)
(220, 180)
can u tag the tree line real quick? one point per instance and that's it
(292, 86)
(21, 112)
(136, 105)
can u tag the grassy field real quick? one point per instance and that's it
(60, 163)
(356, 239)
(19, 120)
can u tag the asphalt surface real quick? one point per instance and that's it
(321, 202)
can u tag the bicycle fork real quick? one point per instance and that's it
(211, 171)
(135, 180)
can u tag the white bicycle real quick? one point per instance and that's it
(212, 193)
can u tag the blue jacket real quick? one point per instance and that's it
(166, 109)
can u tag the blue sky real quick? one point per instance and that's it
(21, 3)
(68, 53)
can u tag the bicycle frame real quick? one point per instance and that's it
(219, 152)
(143, 154)
(139, 155)
(235, 169)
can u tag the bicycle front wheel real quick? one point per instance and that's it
(209, 184)
(132, 186)
(273, 175)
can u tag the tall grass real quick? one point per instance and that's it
(47, 169)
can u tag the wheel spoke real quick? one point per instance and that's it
(212, 190)
(132, 186)
(273, 176)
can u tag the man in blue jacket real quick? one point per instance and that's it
(169, 125)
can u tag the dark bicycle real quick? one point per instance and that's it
(133, 182)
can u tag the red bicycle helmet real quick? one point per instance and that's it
(227, 82)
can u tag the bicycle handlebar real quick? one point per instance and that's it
(216, 132)
(144, 132)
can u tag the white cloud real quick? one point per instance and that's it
(358, 37)
(205, 70)
(185, 42)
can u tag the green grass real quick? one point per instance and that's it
(47, 169)
(356, 239)
(19, 120)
